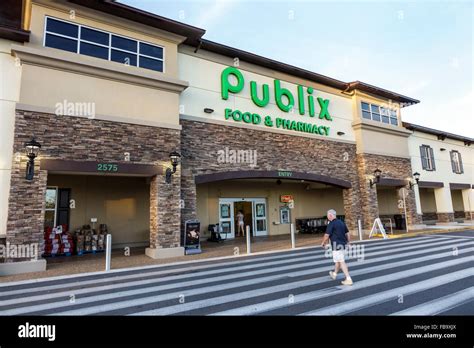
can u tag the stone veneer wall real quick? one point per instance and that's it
(83, 139)
(393, 168)
(201, 141)
(445, 217)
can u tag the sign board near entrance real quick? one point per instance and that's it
(192, 244)
(286, 198)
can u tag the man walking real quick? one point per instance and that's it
(338, 233)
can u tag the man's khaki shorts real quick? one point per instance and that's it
(338, 255)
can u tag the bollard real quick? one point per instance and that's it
(108, 250)
(359, 223)
(292, 229)
(249, 250)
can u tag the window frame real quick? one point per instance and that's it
(456, 166)
(56, 188)
(391, 113)
(431, 167)
(109, 46)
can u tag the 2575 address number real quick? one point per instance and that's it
(107, 167)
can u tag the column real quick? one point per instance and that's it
(411, 206)
(468, 202)
(165, 217)
(444, 204)
(10, 70)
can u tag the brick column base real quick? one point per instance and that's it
(445, 217)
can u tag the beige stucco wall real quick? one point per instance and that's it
(102, 21)
(123, 203)
(10, 73)
(203, 71)
(117, 100)
(308, 203)
(44, 86)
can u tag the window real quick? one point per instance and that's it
(427, 158)
(50, 207)
(456, 162)
(379, 113)
(76, 38)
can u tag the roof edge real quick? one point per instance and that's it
(440, 134)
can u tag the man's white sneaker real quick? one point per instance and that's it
(347, 282)
(332, 275)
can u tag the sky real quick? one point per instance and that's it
(422, 49)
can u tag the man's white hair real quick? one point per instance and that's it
(332, 212)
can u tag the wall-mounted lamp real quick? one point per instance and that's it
(32, 148)
(376, 179)
(278, 182)
(340, 133)
(416, 177)
(174, 157)
(208, 110)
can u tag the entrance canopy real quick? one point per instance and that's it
(271, 174)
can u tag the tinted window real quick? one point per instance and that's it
(366, 114)
(61, 43)
(385, 119)
(150, 50)
(123, 57)
(95, 36)
(124, 44)
(376, 117)
(152, 64)
(374, 108)
(365, 106)
(62, 28)
(94, 50)
(393, 121)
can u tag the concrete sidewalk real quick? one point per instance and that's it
(62, 265)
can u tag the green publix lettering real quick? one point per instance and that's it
(263, 100)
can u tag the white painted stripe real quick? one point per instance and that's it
(246, 264)
(233, 259)
(392, 294)
(320, 293)
(212, 288)
(461, 237)
(212, 278)
(440, 305)
(305, 297)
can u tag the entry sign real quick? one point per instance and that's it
(286, 198)
(192, 244)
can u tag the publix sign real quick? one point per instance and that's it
(283, 98)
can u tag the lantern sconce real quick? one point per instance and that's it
(32, 148)
(376, 179)
(416, 177)
(174, 157)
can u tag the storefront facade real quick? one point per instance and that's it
(110, 92)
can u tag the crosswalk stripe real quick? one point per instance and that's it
(185, 272)
(384, 296)
(321, 293)
(94, 291)
(168, 268)
(440, 305)
(309, 296)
